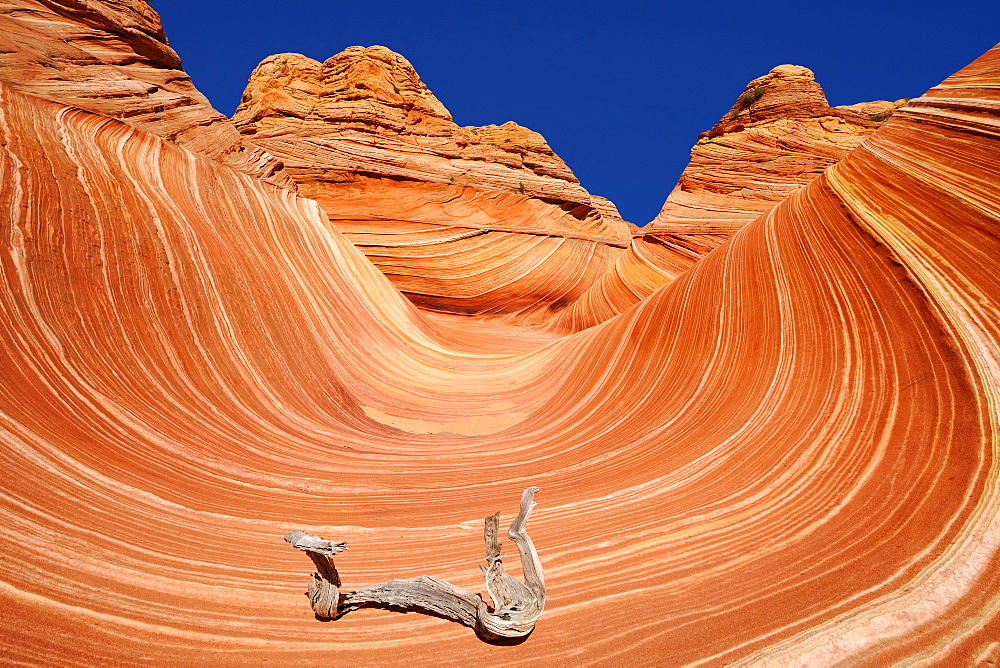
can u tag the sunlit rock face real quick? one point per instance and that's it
(786, 456)
(483, 221)
(112, 58)
(779, 135)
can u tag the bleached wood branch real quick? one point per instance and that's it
(324, 587)
(516, 605)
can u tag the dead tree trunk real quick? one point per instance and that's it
(516, 605)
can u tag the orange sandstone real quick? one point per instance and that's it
(787, 455)
(112, 58)
(779, 135)
(484, 221)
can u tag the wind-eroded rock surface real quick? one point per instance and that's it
(779, 135)
(471, 220)
(786, 456)
(112, 58)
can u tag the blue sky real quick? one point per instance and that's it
(620, 89)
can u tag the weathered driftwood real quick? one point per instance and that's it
(516, 605)
(324, 587)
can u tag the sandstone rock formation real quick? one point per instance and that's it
(471, 220)
(112, 58)
(788, 455)
(779, 135)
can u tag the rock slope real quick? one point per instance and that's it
(113, 58)
(471, 220)
(788, 455)
(779, 135)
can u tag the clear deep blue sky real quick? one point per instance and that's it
(619, 89)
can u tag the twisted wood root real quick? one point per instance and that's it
(516, 605)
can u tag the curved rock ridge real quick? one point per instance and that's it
(779, 135)
(647, 264)
(484, 221)
(366, 112)
(113, 58)
(789, 455)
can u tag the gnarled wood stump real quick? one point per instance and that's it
(516, 605)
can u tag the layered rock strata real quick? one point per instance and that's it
(486, 221)
(779, 135)
(787, 456)
(113, 58)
